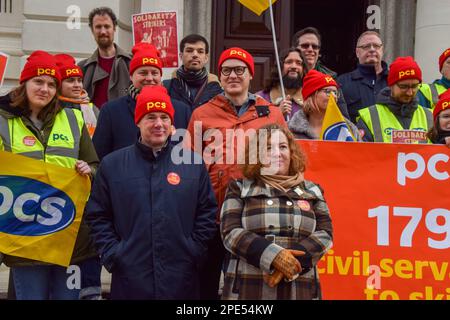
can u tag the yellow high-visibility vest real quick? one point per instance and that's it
(63, 144)
(381, 121)
(431, 92)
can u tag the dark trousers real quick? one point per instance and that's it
(211, 271)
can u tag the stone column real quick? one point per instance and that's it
(45, 26)
(197, 19)
(11, 16)
(432, 35)
(398, 28)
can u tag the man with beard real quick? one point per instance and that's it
(361, 86)
(192, 83)
(106, 74)
(292, 67)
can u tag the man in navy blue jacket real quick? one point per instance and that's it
(361, 86)
(115, 125)
(151, 216)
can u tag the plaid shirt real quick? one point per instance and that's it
(257, 222)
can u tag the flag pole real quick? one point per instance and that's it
(277, 58)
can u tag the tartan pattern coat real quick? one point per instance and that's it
(257, 222)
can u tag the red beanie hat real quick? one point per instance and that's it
(443, 104)
(40, 63)
(443, 57)
(145, 54)
(315, 80)
(153, 99)
(67, 66)
(240, 54)
(404, 68)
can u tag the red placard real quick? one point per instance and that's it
(390, 207)
(159, 29)
(3, 62)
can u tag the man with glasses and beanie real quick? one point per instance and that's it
(397, 112)
(361, 86)
(230, 114)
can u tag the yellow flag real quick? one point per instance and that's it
(41, 206)
(257, 6)
(334, 126)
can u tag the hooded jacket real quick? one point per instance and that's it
(403, 112)
(219, 114)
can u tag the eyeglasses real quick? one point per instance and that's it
(307, 45)
(335, 93)
(239, 70)
(405, 87)
(368, 46)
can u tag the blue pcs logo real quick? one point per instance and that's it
(337, 132)
(32, 208)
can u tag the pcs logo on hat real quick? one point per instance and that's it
(157, 104)
(329, 79)
(73, 71)
(402, 74)
(46, 71)
(238, 53)
(149, 61)
(445, 105)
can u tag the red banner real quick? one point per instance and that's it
(390, 206)
(159, 29)
(3, 62)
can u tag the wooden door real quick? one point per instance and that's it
(340, 24)
(236, 26)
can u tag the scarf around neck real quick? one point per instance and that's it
(133, 91)
(191, 79)
(83, 99)
(283, 183)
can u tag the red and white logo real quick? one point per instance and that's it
(304, 205)
(173, 178)
(29, 141)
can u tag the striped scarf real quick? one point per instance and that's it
(191, 79)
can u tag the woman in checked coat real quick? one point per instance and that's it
(275, 225)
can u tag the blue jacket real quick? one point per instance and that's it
(151, 234)
(361, 87)
(116, 128)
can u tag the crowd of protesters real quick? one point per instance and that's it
(168, 230)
